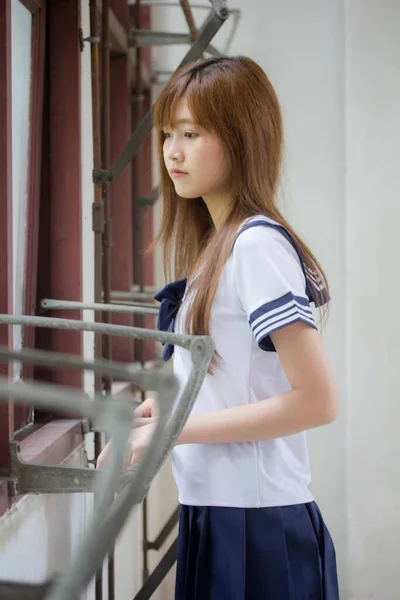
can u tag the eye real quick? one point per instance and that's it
(190, 134)
(165, 135)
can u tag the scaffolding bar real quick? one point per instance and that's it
(113, 308)
(145, 38)
(132, 296)
(151, 198)
(159, 573)
(210, 27)
(235, 12)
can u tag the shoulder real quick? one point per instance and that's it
(262, 236)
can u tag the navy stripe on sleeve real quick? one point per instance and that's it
(277, 314)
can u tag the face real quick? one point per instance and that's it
(196, 159)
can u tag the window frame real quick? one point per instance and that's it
(38, 11)
(63, 37)
(6, 409)
(62, 192)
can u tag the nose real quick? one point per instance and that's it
(175, 152)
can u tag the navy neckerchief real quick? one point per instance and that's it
(170, 298)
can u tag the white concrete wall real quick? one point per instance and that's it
(40, 533)
(373, 284)
(336, 67)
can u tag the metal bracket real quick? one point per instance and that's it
(92, 39)
(102, 176)
(98, 216)
(28, 478)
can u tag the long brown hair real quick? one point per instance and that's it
(233, 98)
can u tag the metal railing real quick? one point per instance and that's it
(109, 413)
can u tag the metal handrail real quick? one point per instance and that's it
(135, 481)
(115, 418)
(185, 341)
(114, 415)
(132, 296)
(135, 308)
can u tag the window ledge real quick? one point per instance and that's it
(51, 444)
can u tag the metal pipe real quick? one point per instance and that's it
(115, 416)
(148, 289)
(117, 295)
(105, 143)
(103, 534)
(201, 354)
(161, 4)
(97, 219)
(138, 229)
(105, 139)
(129, 303)
(159, 573)
(113, 308)
(61, 398)
(98, 207)
(146, 379)
(146, 38)
(184, 341)
(210, 27)
(187, 11)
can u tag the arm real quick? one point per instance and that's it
(311, 402)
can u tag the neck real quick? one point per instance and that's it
(219, 208)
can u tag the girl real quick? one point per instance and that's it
(249, 527)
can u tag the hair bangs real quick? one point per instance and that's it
(167, 104)
(200, 99)
(199, 94)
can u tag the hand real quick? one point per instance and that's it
(140, 439)
(103, 456)
(146, 413)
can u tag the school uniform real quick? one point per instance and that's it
(249, 526)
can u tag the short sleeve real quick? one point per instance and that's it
(270, 282)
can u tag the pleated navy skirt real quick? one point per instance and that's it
(279, 553)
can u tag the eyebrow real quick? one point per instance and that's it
(184, 121)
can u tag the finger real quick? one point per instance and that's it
(101, 460)
(141, 421)
(103, 456)
(146, 409)
(146, 412)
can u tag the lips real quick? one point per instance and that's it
(176, 173)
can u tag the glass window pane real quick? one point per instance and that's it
(21, 57)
